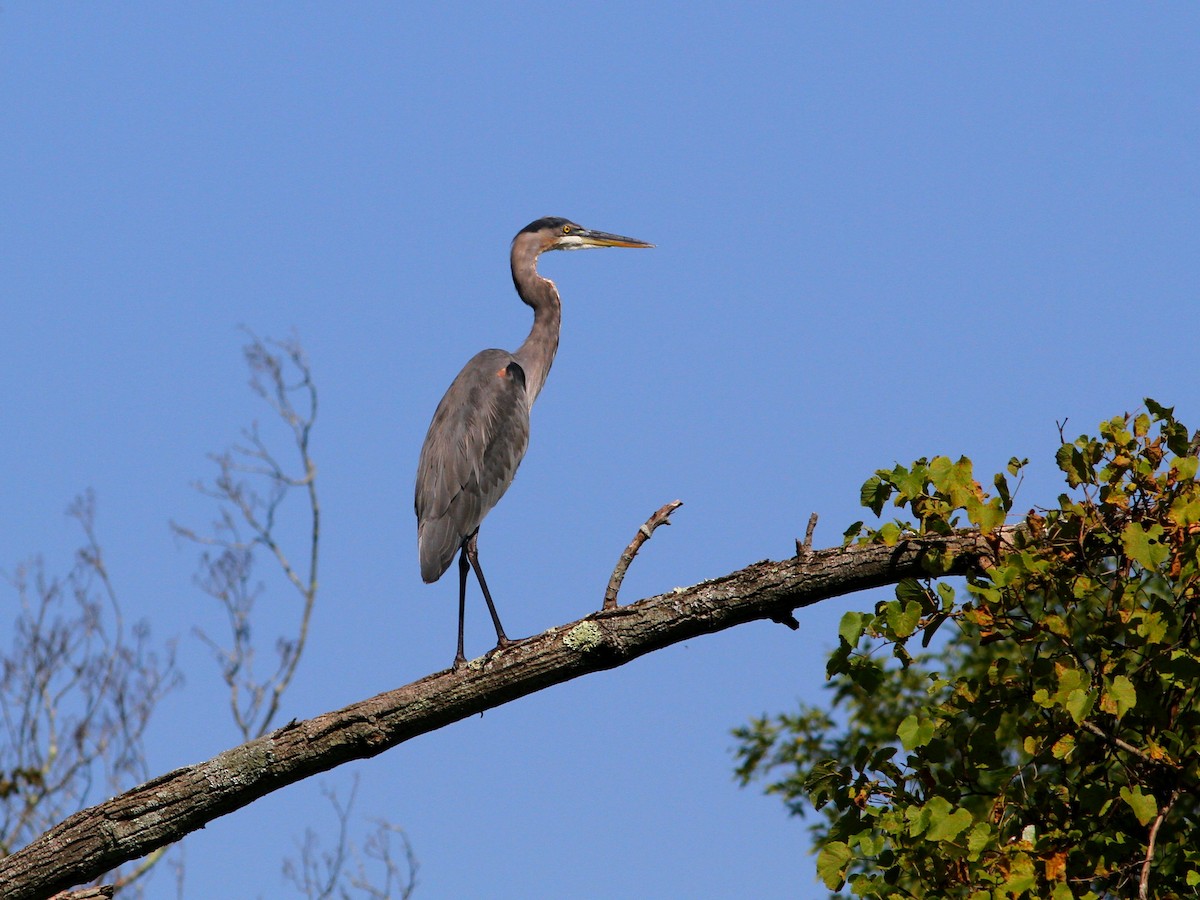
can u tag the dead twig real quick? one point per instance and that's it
(803, 550)
(662, 517)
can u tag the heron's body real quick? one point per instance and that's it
(484, 420)
(480, 430)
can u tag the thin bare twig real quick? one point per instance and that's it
(77, 690)
(803, 550)
(1144, 884)
(343, 871)
(1128, 747)
(662, 517)
(250, 487)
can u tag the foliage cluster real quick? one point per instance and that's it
(1050, 745)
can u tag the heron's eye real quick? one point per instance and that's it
(566, 229)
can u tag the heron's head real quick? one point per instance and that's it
(557, 233)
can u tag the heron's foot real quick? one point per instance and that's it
(503, 644)
(459, 662)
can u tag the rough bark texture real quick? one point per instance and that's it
(161, 811)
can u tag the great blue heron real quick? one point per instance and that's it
(481, 428)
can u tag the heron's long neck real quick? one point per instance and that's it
(536, 354)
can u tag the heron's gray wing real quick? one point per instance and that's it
(475, 443)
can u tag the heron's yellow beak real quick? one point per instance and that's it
(589, 238)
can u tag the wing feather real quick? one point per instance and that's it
(475, 443)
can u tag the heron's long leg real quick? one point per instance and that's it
(472, 551)
(463, 567)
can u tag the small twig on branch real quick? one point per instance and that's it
(803, 550)
(662, 517)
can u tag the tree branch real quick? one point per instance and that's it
(661, 517)
(163, 810)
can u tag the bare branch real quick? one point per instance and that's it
(322, 874)
(1144, 881)
(1129, 748)
(317, 874)
(250, 488)
(77, 690)
(165, 809)
(400, 881)
(661, 517)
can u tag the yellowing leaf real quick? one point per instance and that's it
(1063, 747)
(832, 862)
(1123, 695)
(1056, 866)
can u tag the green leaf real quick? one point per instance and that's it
(1144, 806)
(911, 484)
(946, 593)
(1079, 704)
(1072, 462)
(1021, 876)
(986, 516)
(889, 534)
(1159, 411)
(851, 533)
(1056, 624)
(832, 862)
(979, 839)
(1186, 511)
(919, 818)
(931, 627)
(903, 619)
(1185, 467)
(913, 733)
(851, 627)
(911, 589)
(1002, 489)
(947, 828)
(940, 469)
(874, 494)
(1145, 547)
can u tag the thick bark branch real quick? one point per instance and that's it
(163, 810)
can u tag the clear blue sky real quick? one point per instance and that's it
(883, 232)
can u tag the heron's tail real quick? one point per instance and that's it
(437, 543)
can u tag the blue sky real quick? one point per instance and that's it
(883, 232)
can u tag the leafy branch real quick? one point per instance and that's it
(1051, 746)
